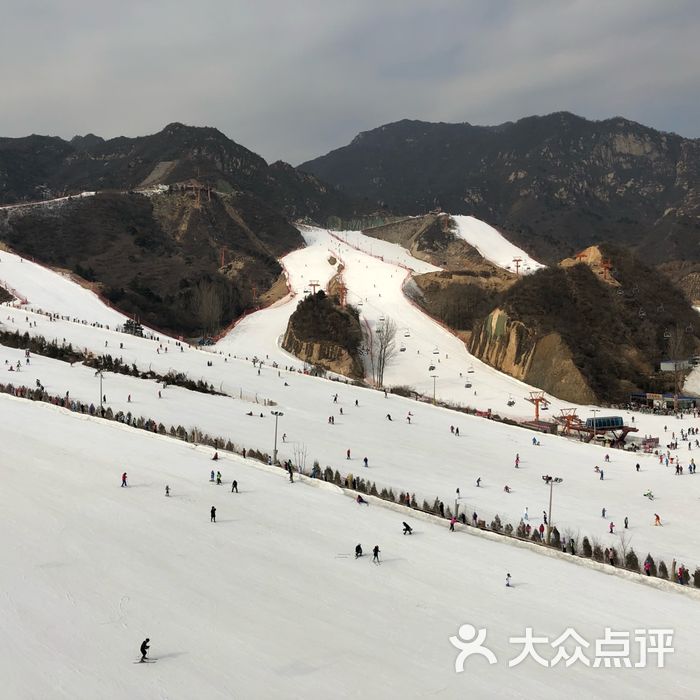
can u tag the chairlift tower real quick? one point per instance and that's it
(538, 398)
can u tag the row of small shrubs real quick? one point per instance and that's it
(627, 558)
(65, 352)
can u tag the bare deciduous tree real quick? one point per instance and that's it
(624, 538)
(384, 347)
(208, 304)
(299, 453)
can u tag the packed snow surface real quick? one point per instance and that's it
(50, 291)
(493, 245)
(269, 600)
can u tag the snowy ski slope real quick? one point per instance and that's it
(53, 292)
(423, 457)
(493, 245)
(269, 601)
(375, 287)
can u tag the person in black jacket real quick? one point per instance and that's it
(358, 551)
(144, 648)
(213, 514)
(407, 529)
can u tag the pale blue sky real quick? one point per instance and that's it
(292, 80)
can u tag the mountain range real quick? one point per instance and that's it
(555, 184)
(41, 167)
(188, 214)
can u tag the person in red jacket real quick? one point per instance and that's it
(124, 479)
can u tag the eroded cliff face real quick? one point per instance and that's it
(544, 361)
(328, 355)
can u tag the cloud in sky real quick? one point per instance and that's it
(293, 80)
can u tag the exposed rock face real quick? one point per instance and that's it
(326, 354)
(543, 361)
(321, 332)
(591, 329)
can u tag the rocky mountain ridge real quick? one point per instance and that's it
(40, 167)
(554, 184)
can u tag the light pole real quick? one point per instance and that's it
(277, 415)
(594, 412)
(434, 376)
(99, 374)
(551, 480)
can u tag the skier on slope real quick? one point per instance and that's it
(375, 552)
(358, 551)
(234, 486)
(361, 501)
(212, 514)
(407, 529)
(507, 580)
(124, 479)
(144, 649)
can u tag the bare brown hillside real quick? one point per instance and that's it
(181, 260)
